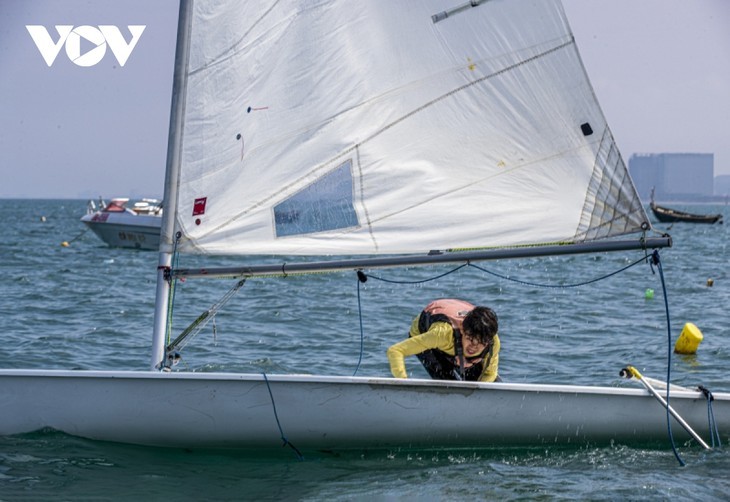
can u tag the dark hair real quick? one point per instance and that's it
(481, 324)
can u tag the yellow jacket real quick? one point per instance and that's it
(440, 336)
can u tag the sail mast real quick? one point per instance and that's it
(171, 180)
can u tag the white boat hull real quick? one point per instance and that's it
(215, 410)
(126, 231)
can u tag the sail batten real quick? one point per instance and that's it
(332, 127)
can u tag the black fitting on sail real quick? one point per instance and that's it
(362, 277)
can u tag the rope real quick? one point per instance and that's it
(276, 416)
(413, 282)
(575, 285)
(714, 433)
(656, 261)
(518, 281)
(82, 233)
(172, 281)
(360, 279)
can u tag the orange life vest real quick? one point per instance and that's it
(445, 310)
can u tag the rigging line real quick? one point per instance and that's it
(278, 424)
(202, 320)
(714, 433)
(656, 261)
(575, 285)
(360, 278)
(173, 282)
(82, 233)
(391, 281)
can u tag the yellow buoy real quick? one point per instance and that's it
(710, 282)
(689, 339)
(64, 244)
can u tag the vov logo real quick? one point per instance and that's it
(100, 38)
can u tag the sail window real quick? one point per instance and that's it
(326, 204)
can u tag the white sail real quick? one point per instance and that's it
(327, 126)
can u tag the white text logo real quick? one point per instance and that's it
(98, 37)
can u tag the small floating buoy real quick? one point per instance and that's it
(43, 218)
(649, 294)
(65, 244)
(710, 282)
(689, 339)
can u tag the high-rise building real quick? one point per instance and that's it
(673, 175)
(722, 185)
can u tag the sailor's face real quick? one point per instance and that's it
(472, 346)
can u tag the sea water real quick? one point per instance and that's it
(87, 306)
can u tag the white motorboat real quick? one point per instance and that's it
(124, 225)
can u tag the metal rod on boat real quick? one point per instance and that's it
(630, 371)
(171, 181)
(429, 259)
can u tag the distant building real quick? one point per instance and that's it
(722, 185)
(673, 175)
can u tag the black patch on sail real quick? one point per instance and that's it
(587, 129)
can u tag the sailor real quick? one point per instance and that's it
(454, 340)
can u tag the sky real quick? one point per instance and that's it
(660, 69)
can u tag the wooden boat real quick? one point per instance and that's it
(668, 215)
(397, 133)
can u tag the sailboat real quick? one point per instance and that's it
(359, 135)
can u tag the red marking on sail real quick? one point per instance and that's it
(199, 206)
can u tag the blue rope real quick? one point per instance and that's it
(656, 261)
(362, 334)
(714, 433)
(276, 416)
(575, 285)
(526, 283)
(361, 274)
